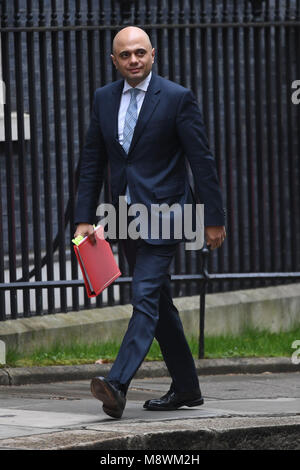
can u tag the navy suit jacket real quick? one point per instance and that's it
(169, 128)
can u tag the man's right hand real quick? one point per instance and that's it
(85, 230)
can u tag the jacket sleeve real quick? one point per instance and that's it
(92, 166)
(193, 138)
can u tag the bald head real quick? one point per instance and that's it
(133, 54)
(129, 34)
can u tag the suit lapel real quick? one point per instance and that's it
(149, 104)
(116, 99)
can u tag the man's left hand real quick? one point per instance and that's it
(215, 235)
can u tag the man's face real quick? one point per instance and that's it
(133, 57)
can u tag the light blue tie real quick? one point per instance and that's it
(129, 125)
(130, 120)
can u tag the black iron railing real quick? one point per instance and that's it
(239, 58)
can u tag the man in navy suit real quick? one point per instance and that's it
(145, 127)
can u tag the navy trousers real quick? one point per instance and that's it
(154, 316)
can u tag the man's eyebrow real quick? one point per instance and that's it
(138, 49)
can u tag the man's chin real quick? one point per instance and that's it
(136, 77)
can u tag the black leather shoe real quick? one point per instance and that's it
(112, 397)
(172, 401)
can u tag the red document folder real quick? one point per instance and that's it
(97, 263)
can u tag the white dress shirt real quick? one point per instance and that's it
(125, 100)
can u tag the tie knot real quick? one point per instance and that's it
(133, 92)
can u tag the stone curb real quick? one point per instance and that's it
(267, 437)
(32, 375)
(205, 434)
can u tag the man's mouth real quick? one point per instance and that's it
(135, 70)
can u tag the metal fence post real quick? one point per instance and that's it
(125, 11)
(203, 283)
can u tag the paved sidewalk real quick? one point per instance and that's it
(241, 411)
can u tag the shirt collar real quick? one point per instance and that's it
(141, 86)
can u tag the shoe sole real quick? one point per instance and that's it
(190, 404)
(103, 392)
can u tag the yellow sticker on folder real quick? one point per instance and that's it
(79, 238)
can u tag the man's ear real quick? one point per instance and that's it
(153, 55)
(113, 60)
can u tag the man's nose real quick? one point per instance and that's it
(133, 58)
